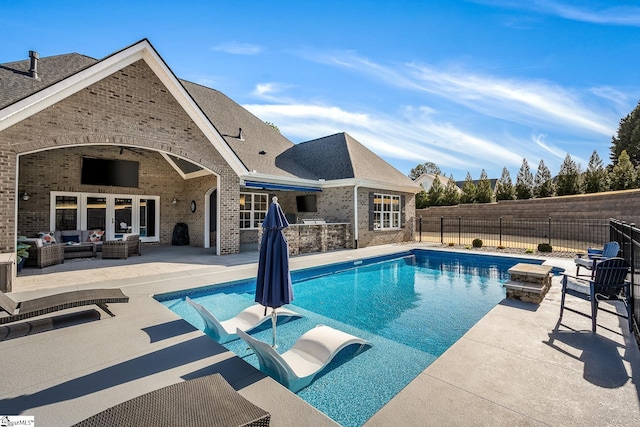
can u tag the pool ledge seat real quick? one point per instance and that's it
(248, 319)
(297, 367)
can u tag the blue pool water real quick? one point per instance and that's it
(410, 306)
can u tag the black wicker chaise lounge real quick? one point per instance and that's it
(48, 304)
(207, 401)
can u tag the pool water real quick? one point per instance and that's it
(410, 306)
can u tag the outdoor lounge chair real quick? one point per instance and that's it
(37, 306)
(297, 367)
(594, 256)
(248, 319)
(608, 282)
(201, 402)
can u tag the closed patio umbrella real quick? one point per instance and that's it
(273, 283)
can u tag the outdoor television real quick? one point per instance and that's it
(307, 203)
(116, 173)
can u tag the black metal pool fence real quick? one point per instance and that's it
(563, 236)
(628, 236)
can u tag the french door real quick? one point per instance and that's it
(118, 215)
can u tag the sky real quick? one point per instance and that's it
(465, 84)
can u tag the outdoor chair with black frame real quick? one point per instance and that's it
(609, 282)
(594, 256)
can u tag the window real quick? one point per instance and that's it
(66, 212)
(253, 209)
(386, 211)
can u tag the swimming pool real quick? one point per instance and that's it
(411, 306)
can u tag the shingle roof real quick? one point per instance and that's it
(16, 84)
(261, 147)
(340, 156)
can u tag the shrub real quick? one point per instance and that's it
(544, 247)
(500, 247)
(528, 251)
(451, 244)
(467, 247)
(477, 243)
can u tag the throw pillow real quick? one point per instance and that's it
(71, 239)
(96, 235)
(47, 237)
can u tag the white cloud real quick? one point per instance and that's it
(271, 91)
(236, 48)
(413, 136)
(605, 14)
(520, 101)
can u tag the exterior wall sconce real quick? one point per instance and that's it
(174, 201)
(25, 196)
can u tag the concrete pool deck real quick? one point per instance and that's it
(517, 366)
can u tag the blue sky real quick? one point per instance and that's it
(464, 84)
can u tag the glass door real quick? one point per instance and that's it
(122, 218)
(96, 213)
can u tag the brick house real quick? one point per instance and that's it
(121, 144)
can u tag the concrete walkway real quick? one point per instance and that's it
(517, 366)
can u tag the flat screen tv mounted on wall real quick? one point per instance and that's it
(307, 203)
(116, 173)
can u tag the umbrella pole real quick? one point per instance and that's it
(274, 320)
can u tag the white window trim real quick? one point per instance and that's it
(398, 213)
(252, 211)
(82, 204)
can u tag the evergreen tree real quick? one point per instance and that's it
(623, 176)
(435, 193)
(628, 138)
(468, 190)
(427, 167)
(543, 184)
(524, 182)
(504, 186)
(422, 200)
(568, 179)
(451, 195)
(484, 193)
(594, 179)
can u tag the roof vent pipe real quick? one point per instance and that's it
(240, 135)
(33, 68)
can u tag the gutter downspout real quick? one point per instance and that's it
(355, 213)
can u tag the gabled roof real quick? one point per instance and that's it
(340, 156)
(245, 141)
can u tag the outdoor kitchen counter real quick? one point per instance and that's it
(309, 238)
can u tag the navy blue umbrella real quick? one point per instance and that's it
(273, 283)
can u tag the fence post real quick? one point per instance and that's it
(442, 230)
(632, 261)
(500, 231)
(459, 229)
(420, 229)
(549, 233)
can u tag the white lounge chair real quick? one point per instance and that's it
(248, 319)
(297, 367)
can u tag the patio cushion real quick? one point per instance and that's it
(47, 237)
(73, 238)
(95, 235)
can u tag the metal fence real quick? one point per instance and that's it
(563, 235)
(628, 236)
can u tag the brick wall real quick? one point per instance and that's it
(130, 108)
(7, 199)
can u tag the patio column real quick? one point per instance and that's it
(8, 163)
